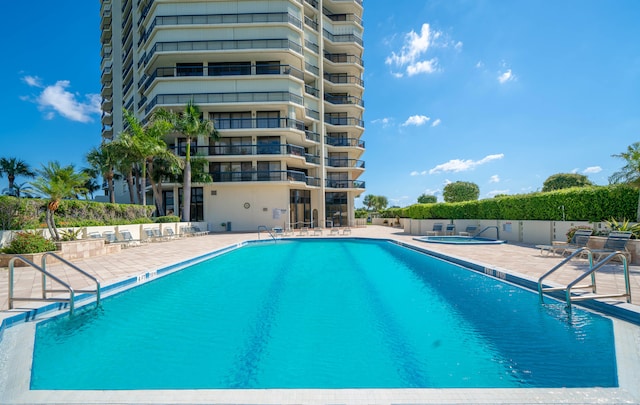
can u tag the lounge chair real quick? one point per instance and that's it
(197, 231)
(579, 240)
(436, 230)
(334, 231)
(469, 231)
(127, 240)
(616, 242)
(346, 230)
(110, 236)
(303, 231)
(95, 235)
(317, 231)
(450, 229)
(169, 234)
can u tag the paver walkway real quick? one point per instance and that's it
(525, 260)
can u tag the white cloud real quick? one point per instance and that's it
(592, 170)
(506, 76)
(385, 122)
(411, 54)
(436, 122)
(417, 173)
(458, 165)
(479, 65)
(416, 120)
(458, 45)
(55, 99)
(494, 179)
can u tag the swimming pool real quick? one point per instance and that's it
(324, 314)
(460, 240)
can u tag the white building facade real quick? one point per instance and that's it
(280, 79)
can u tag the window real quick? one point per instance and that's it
(269, 145)
(338, 159)
(182, 147)
(167, 200)
(269, 171)
(231, 171)
(268, 119)
(233, 120)
(239, 145)
(197, 203)
(336, 209)
(268, 68)
(229, 68)
(189, 69)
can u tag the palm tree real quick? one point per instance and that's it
(127, 163)
(19, 190)
(146, 143)
(57, 183)
(630, 173)
(190, 124)
(13, 167)
(103, 160)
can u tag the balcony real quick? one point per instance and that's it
(343, 38)
(250, 150)
(345, 18)
(343, 162)
(343, 58)
(224, 98)
(265, 176)
(107, 119)
(106, 35)
(253, 123)
(341, 78)
(107, 104)
(340, 99)
(107, 89)
(329, 183)
(222, 45)
(333, 120)
(219, 71)
(308, 21)
(346, 142)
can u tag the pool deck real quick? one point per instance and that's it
(525, 261)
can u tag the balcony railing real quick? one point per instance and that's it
(338, 99)
(343, 162)
(211, 19)
(218, 71)
(248, 150)
(348, 142)
(343, 121)
(345, 17)
(312, 136)
(343, 58)
(343, 38)
(252, 123)
(308, 21)
(338, 78)
(264, 175)
(222, 45)
(215, 98)
(344, 183)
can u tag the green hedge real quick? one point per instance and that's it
(28, 213)
(580, 204)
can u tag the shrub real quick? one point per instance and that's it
(167, 218)
(29, 242)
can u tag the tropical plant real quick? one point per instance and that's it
(19, 190)
(103, 161)
(70, 234)
(460, 191)
(630, 172)
(13, 167)
(565, 180)
(624, 225)
(58, 183)
(29, 242)
(190, 124)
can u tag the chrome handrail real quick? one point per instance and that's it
(73, 266)
(264, 228)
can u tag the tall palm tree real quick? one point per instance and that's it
(630, 173)
(190, 124)
(13, 167)
(146, 143)
(103, 160)
(57, 183)
(127, 163)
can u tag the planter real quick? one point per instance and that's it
(33, 257)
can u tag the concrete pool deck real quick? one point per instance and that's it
(523, 260)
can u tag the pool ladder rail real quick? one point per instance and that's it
(263, 228)
(43, 270)
(591, 272)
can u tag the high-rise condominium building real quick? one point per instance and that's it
(280, 79)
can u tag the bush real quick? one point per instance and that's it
(166, 219)
(29, 242)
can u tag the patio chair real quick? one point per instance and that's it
(94, 235)
(109, 236)
(334, 231)
(346, 230)
(436, 230)
(469, 230)
(450, 229)
(616, 242)
(579, 240)
(317, 231)
(169, 234)
(303, 231)
(197, 231)
(127, 240)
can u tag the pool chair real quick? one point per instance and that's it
(317, 231)
(436, 230)
(127, 240)
(450, 229)
(334, 231)
(94, 235)
(303, 231)
(197, 231)
(616, 242)
(346, 231)
(469, 231)
(169, 234)
(579, 240)
(109, 236)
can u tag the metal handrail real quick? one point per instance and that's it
(490, 227)
(591, 272)
(73, 266)
(264, 228)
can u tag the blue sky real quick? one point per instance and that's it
(496, 92)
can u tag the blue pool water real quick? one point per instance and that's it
(324, 314)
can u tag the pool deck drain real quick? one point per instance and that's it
(522, 260)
